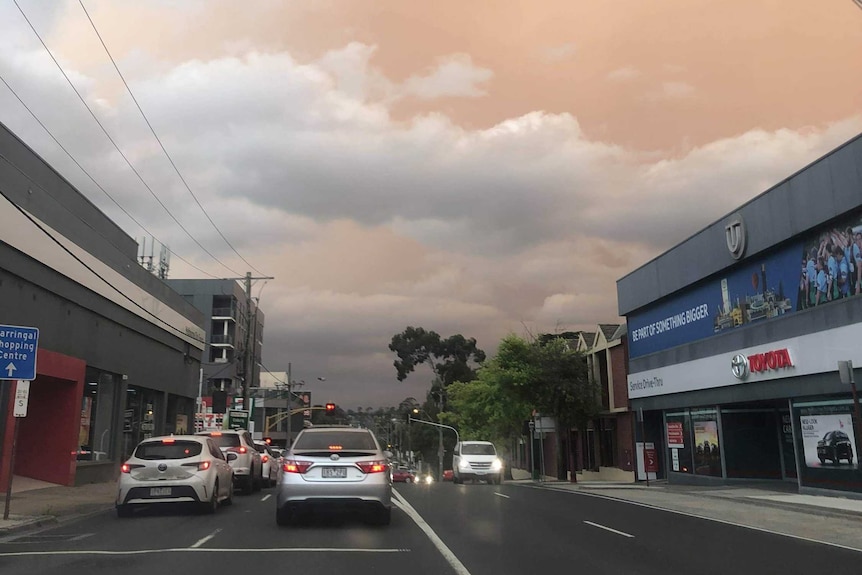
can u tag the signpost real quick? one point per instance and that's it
(18, 346)
(237, 419)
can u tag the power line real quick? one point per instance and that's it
(104, 191)
(94, 272)
(150, 126)
(129, 163)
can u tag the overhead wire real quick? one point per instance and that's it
(94, 272)
(156, 136)
(92, 179)
(116, 146)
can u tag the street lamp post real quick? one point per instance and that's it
(440, 427)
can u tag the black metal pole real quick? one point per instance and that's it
(857, 420)
(11, 470)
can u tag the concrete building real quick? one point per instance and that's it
(118, 351)
(736, 335)
(233, 324)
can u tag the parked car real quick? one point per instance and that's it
(340, 468)
(476, 460)
(835, 446)
(247, 467)
(269, 463)
(175, 469)
(403, 475)
(448, 475)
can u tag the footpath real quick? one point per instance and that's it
(831, 520)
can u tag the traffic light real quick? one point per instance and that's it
(267, 440)
(330, 409)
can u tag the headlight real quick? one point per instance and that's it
(464, 464)
(429, 479)
(497, 465)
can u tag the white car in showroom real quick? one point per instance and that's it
(175, 469)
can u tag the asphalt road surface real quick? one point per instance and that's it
(475, 529)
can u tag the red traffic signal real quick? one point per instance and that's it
(330, 408)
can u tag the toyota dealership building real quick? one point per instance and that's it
(737, 334)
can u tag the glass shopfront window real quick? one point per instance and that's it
(707, 456)
(829, 457)
(95, 435)
(139, 417)
(679, 441)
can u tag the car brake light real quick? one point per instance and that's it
(373, 466)
(168, 440)
(240, 449)
(295, 466)
(264, 458)
(127, 467)
(215, 434)
(201, 465)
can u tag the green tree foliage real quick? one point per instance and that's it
(451, 359)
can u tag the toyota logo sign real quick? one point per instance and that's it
(739, 366)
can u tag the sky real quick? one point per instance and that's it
(486, 168)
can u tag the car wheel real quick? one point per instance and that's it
(498, 480)
(822, 461)
(124, 511)
(258, 481)
(229, 499)
(382, 516)
(209, 507)
(247, 485)
(283, 516)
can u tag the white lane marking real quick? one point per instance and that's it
(685, 513)
(205, 539)
(81, 536)
(266, 497)
(608, 529)
(501, 495)
(199, 550)
(456, 564)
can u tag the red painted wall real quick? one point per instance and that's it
(619, 368)
(48, 436)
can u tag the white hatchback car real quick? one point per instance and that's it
(269, 463)
(175, 469)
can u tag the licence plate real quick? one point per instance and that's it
(334, 472)
(160, 491)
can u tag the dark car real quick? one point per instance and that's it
(835, 446)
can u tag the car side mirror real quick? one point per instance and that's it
(231, 456)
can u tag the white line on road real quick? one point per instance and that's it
(205, 539)
(197, 550)
(501, 495)
(703, 517)
(265, 497)
(456, 564)
(608, 529)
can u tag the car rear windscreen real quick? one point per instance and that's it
(329, 439)
(175, 450)
(478, 449)
(226, 440)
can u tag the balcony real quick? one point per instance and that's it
(224, 313)
(221, 340)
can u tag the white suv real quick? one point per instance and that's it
(476, 460)
(247, 467)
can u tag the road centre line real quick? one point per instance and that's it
(453, 560)
(265, 497)
(695, 516)
(198, 550)
(609, 529)
(502, 495)
(205, 539)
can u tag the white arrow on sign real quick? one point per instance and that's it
(9, 369)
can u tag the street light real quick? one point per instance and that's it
(440, 427)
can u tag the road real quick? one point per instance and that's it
(474, 529)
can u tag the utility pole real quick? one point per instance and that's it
(248, 362)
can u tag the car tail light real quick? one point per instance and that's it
(373, 466)
(127, 467)
(240, 449)
(295, 466)
(201, 465)
(264, 458)
(168, 440)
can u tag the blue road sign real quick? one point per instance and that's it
(18, 347)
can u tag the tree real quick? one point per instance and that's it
(550, 376)
(451, 359)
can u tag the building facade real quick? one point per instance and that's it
(736, 336)
(233, 324)
(118, 351)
